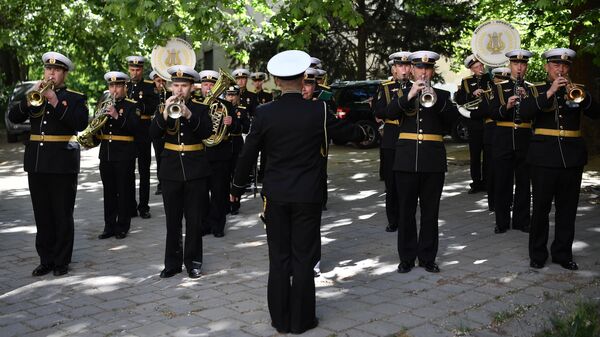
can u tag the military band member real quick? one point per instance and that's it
(240, 113)
(291, 131)
(470, 90)
(160, 89)
(262, 96)
(219, 156)
(184, 171)
(420, 161)
(400, 69)
(557, 154)
(52, 161)
(511, 140)
(247, 97)
(142, 91)
(117, 156)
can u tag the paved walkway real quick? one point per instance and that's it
(485, 288)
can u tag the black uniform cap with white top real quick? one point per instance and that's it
(310, 75)
(315, 62)
(501, 72)
(209, 76)
(321, 74)
(559, 55)
(233, 89)
(424, 58)
(519, 55)
(116, 77)
(471, 60)
(54, 59)
(400, 57)
(153, 75)
(258, 76)
(183, 73)
(240, 73)
(289, 64)
(135, 61)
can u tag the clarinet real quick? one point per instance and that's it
(517, 113)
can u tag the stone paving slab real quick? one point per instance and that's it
(485, 288)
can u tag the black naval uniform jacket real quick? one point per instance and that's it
(557, 114)
(224, 150)
(69, 116)
(146, 95)
(189, 165)
(126, 125)
(386, 92)
(241, 117)
(417, 155)
(464, 94)
(249, 100)
(510, 139)
(263, 97)
(290, 132)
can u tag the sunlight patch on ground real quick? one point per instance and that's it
(121, 247)
(480, 261)
(594, 229)
(456, 247)
(579, 245)
(250, 244)
(359, 176)
(449, 263)
(366, 216)
(18, 229)
(360, 195)
(509, 278)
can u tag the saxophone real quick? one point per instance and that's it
(88, 137)
(218, 110)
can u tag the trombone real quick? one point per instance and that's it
(36, 97)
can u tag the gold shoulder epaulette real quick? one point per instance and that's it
(529, 83)
(502, 82)
(130, 100)
(241, 107)
(538, 84)
(197, 101)
(149, 81)
(76, 92)
(468, 77)
(388, 82)
(325, 86)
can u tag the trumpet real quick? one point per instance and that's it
(575, 93)
(428, 96)
(36, 97)
(175, 108)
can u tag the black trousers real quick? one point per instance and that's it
(293, 235)
(53, 199)
(426, 188)
(391, 194)
(144, 156)
(381, 165)
(475, 154)
(562, 185)
(116, 181)
(182, 199)
(233, 205)
(218, 201)
(324, 183)
(488, 173)
(512, 168)
(159, 145)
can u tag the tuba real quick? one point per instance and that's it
(87, 138)
(218, 110)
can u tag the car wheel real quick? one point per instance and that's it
(12, 138)
(460, 132)
(371, 128)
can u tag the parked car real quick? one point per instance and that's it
(459, 131)
(353, 103)
(14, 130)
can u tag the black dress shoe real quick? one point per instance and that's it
(169, 273)
(391, 228)
(121, 235)
(499, 230)
(195, 273)
(145, 214)
(219, 234)
(312, 326)
(105, 235)
(405, 267)
(41, 270)
(61, 270)
(536, 265)
(430, 267)
(570, 265)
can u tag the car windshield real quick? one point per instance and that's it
(357, 94)
(21, 90)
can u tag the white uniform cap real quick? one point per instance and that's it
(470, 60)
(116, 77)
(259, 75)
(240, 72)
(520, 55)
(311, 74)
(501, 71)
(321, 73)
(564, 55)
(400, 57)
(135, 60)
(315, 62)
(52, 58)
(289, 63)
(424, 57)
(183, 73)
(209, 76)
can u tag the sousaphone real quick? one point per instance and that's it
(176, 52)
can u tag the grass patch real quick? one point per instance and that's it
(504, 316)
(584, 321)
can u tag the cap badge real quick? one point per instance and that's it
(52, 60)
(135, 61)
(179, 73)
(114, 78)
(208, 77)
(404, 58)
(425, 58)
(519, 56)
(564, 56)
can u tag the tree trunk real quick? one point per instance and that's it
(361, 44)
(11, 70)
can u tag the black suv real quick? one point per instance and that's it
(353, 103)
(14, 130)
